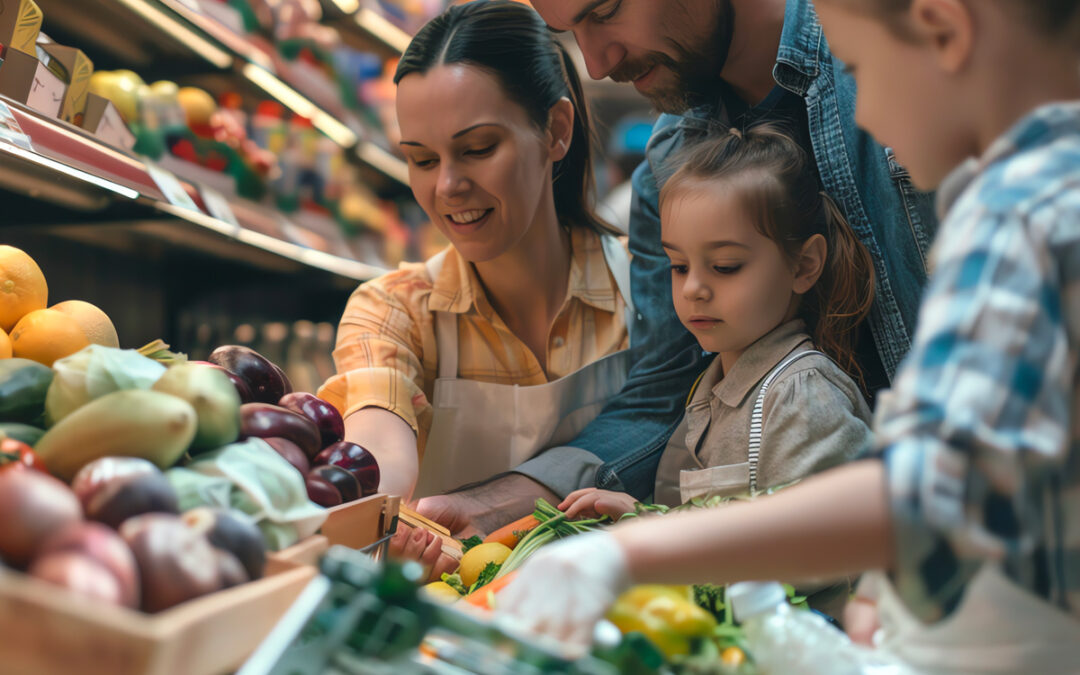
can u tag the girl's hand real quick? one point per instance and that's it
(593, 503)
(424, 547)
(861, 620)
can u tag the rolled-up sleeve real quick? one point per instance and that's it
(379, 352)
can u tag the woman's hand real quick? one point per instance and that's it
(424, 547)
(593, 503)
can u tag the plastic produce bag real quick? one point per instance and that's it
(252, 478)
(91, 373)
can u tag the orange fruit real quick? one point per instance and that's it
(95, 323)
(22, 286)
(45, 335)
(5, 345)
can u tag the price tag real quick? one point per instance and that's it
(46, 92)
(10, 130)
(218, 206)
(169, 185)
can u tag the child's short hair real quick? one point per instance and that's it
(778, 185)
(1052, 18)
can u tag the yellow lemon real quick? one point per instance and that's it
(5, 345)
(440, 591)
(22, 286)
(95, 323)
(45, 335)
(478, 557)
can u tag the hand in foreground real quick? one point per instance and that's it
(593, 503)
(565, 589)
(452, 511)
(424, 547)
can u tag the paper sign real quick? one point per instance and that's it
(169, 185)
(10, 130)
(218, 206)
(112, 129)
(46, 92)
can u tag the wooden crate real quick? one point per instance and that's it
(356, 524)
(46, 629)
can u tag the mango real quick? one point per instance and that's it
(132, 423)
(214, 398)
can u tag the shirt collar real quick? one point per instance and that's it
(801, 44)
(457, 288)
(1040, 127)
(751, 367)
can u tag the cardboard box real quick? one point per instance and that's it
(27, 80)
(102, 119)
(48, 629)
(20, 23)
(80, 68)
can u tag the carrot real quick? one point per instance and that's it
(485, 595)
(509, 535)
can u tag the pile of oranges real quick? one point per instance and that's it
(30, 329)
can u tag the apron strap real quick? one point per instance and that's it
(618, 261)
(446, 333)
(755, 416)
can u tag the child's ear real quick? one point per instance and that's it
(560, 129)
(810, 263)
(947, 27)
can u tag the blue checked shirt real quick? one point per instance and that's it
(980, 434)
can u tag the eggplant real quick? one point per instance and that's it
(356, 460)
(262, 420)
(291, 452)
(325, 416)
(242, 387)
(265, 380)
(287, 385)
(322, 491)
(345, 483)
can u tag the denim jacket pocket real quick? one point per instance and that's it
(915, 203)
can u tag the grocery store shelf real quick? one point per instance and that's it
(72, 169)
(382, 30)
(119, 28)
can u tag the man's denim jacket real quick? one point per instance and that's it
(620, 449)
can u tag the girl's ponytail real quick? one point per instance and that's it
(842, 297)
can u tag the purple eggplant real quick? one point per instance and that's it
(263, 420)
(322, 491)
(345, 483)
(242, 387)
(324, 415)
(356, 460)
(265, 380)
(291, 452)
(287, 385)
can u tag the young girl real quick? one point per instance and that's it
(766, 273)
(973, 505)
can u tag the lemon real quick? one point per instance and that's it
(478, 557)
(440, 591)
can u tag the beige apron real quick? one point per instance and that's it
(998, 628)
(480, 429)
(736, 479)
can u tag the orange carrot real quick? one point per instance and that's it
(485, 595)
(510, 534)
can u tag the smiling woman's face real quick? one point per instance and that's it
(477, 164)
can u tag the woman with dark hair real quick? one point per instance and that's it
(511, 339)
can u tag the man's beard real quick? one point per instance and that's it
(696, 68)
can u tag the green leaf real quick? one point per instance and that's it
(490, 571)
(471, 542)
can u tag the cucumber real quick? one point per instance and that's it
(23, 386)
(21, 432)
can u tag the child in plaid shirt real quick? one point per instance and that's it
(973, 503)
